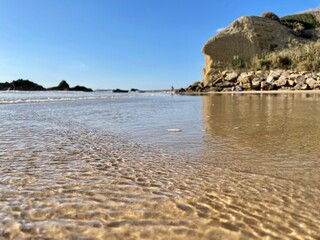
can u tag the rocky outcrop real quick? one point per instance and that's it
(26, 85)
(80, 89)
(120, 91)
(64, 86)
(5, 86)
(258, 80)
(21, 85)
(243, 39)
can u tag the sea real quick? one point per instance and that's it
(106, 165)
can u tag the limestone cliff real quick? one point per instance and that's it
(243, 39)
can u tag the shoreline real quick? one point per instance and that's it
(251, 92)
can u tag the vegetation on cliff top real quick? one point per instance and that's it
(308, 20)
(302, 57)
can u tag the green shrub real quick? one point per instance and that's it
(260, 63)
(306, 19)
(308, 35)
(273, 47)
(283, 62)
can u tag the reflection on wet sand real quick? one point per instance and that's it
(275, 133)
(270, 140)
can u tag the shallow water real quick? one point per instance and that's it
(104, 166)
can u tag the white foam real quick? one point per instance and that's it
(174, 130)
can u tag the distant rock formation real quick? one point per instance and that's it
(21, 85)
(243, 39)
(26, 85)
(120, 91)
(63, 86)
(80, 89)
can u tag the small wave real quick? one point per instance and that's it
(57, 99)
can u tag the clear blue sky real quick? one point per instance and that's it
(145, 44)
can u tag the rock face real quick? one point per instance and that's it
(243, 39)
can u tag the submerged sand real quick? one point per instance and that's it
(64, 176)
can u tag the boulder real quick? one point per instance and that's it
(311, 82)
(273, 76)
(181, 90)
(300, 80)
(270, 79)
(268, 86)
(193, 86)
(291, 83)
(276, 73)
(293, 76)
(316, 87)
(281, 82)
(224, 84)
(256, 83)
(245, 77)
(214, 89)
(310, 75)
(301, 87)
(231, 76)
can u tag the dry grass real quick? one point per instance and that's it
(302, 58)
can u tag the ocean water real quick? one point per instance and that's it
(159, 166)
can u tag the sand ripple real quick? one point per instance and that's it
(62, 180)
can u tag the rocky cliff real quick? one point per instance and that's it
(263, 53)
(243, 39)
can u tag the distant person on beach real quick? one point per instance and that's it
(172, 88)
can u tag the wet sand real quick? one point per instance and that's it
(254, 92)
(63, 179)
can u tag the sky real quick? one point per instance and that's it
(108, 44)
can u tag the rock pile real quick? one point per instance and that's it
(258, 80)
